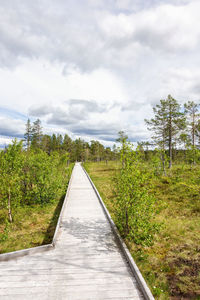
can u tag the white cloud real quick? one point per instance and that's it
(165, 27)
(121, 55)
(5, 141)
(11, 127)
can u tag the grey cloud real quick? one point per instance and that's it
(40, 111)
(196, 89)
(106, 132)
(76, 118)
(110, 138)
(61, 31)
(29, 29)
(87, 105)
(12, 128)
(11, 132)
(60, 117)
(96, 132)
(72, 111)
(153, 39)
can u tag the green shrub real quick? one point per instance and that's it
(134, 204)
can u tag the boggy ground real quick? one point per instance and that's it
(171, 266)
(31, 227)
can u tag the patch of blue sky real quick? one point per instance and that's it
(11, 113)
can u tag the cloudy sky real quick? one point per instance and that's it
(90, 68)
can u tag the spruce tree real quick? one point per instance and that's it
(67, 144)
(36, 134)
(28, 134)
(54, 144)
(167, 124)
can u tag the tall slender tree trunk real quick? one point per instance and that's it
(170, 137)
(170, 154)
(9, 206)
(193, 138)
(163, 153)
(163, 162)
(193, 131)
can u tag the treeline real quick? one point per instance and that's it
(175, 127)
(176, 131)
(78, 149)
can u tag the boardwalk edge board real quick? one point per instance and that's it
(140, 280)
(62, 210)
(39, 249)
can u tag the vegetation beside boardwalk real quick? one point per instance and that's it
(32, 188)
(34, 175)
(171, 263)
(33, 226)
(152, 194)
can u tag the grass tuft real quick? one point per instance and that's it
(171, 266)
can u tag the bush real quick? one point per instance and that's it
(31, 177)
(134, 204)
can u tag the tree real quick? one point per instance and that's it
(54, 142)
(46, 143)
(122, 139)
(78, 153)
(114, 152)
(11, 161)
(96, 150)
(107, 154)
(167, 124)
(28, 133)
(59, 142)
(134, 204)
(191, 111)
(36, 134)
(67, 144)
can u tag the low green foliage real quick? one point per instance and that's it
(32, 188)
(11, 162)
(31, 177)
(32, 226)
(171, 264)
(134, 205)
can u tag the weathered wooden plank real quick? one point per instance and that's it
(90, 292)
(69, 279)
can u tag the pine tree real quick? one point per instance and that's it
(36, 134)
(54, 144)
(28, 134)
(67, 144)
(167, 124)
(122, 139)
(46, 143)
(191, 110)
(59, 141)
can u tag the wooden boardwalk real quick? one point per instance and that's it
(86, 263)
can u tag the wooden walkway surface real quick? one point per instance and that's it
(86, 263)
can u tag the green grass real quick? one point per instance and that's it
(171, 266)
(32, 226)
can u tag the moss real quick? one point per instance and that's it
(170, 264)
(32, 226)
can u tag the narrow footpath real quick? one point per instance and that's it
(86, 263)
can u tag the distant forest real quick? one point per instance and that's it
(174, 128)
(78, 149)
